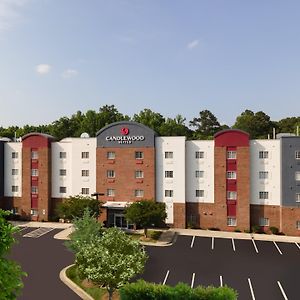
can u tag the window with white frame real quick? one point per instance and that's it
(138, 193)
(199, 193)
(298, 225)
(199, 154)
(111, 155)
(85, 191)
(169, 193)
(231, 195)
(231, 175)
(14, 188)
(231, 221)
(199, 174)
(263, 174)
(62, 189)
(297, 154)
(34, 155)
(110, 174)
(62, 172)
(263, 154)
(169, 154)
(263, 221)
(14, 155)
(168, 174)
(14, 172)
(85, 155)
(34, 190)
(263, 195)
(34, 212)
(139, 174)
(139, 155)
(297, 176)
(110, 192)
(34, 172)
(231, 154)
(62, 155)
(85, 173)
(297, 197)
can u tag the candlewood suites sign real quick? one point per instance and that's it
(125, 138)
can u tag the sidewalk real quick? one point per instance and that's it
(55, 225)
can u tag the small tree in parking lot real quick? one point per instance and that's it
(146, 213)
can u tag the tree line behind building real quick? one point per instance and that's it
(204, 126)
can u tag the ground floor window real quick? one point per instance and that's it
(298, 225)
(263, 221)
(231, 221)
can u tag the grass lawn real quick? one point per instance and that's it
(153, 236)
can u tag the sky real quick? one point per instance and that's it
(174, 57)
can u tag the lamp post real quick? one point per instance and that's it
(97, 194)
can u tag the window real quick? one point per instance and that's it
(85, 154)
(263, 221)
(298, 197)
(138, 193)
(297, 154)
(168, 154)
(297, 176)
(199, 193)
(264, 195)
(62, 154)
(62, 189)
(34, 212)
(263, 174)
(168, 174)
(85, 173)
(199, 154)
(111, 155)
(34, 155)
(231, 154)
(110, 174)
(110, 192)
(231, 195)
(34, 172)
(199, 174)
(14, 155)
(169, 193)
(231, 221)
(231, 175)
(298, 225)
(14, 210)
(139, 155)
(263, 154)
(139, 174)
(62, 172)
(85, 191)
(14, 188)
(14, 172)
(34, 190)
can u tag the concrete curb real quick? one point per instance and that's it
(74, 287)
(64, 234)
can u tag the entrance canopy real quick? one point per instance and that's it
(116, 205)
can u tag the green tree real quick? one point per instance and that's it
(175, 127)
(206, 125)
(288, 125)
(146, 213)
(112, 260)
(74, 206)
(10, 272)
(109, 114)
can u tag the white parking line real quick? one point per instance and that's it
(192, 243)
(221, 281)
(166, 277)
(297, 245)
(37, 232)
(22, 228)
(193, 280)
(277, 247)
(233, 245)
(254, 245)
(212, 243)
(282, 291)
(251, 289)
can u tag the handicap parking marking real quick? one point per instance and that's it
(38, 232)
(282, 291)
(255, 247)
(193, 280)
(166, 277)
(251, 289)
(277, 247)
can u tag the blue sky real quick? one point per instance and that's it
(174, 57)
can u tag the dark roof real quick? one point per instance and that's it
(44, 135)
(230, 130)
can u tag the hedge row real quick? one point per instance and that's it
(150, 291)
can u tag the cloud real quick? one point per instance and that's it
(10, 13)
(69, 73)
(43, 69)
(193, 44)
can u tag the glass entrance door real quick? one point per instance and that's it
(120, 221)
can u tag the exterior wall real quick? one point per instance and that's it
(1, 170)
(272, 165)
(205, 164)
(176, 164)
(73, 164)
(290, 165)
(290, 215)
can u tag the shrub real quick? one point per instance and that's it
(274, 230)
(214, 228)
(256, 229)
(155, 234)
(247, 231)
(237, 230)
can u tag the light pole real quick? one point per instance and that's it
(97, 194)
